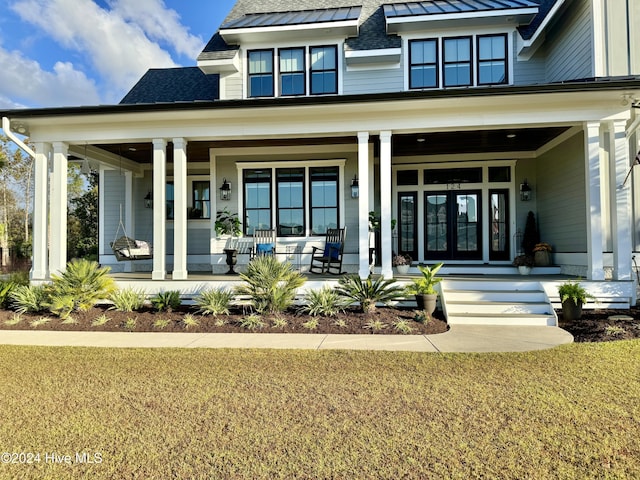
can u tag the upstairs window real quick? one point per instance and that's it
(492, 59)
(261, 73)
(457, 61)
(423, 60)
(324, 70)
(292, 71)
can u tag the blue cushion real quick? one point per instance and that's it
(264, 248)
(334, 249)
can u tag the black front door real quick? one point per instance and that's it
(453, 227)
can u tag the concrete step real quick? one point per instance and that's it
(502, 307)
(503, 319)
(497, 295)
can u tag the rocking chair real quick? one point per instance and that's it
(329, 258)
(264, 243)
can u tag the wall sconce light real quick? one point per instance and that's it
(148, 200)
(355, 188)
(225, 190)
(525, 191)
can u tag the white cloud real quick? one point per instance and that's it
(23, 80)
(159, 23)
(120, 51)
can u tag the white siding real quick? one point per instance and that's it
(569, 44)
(231, 87)
(373, 80)
(560, 192)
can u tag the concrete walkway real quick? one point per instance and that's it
(460, 338)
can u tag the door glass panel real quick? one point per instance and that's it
(407, 241)
(499, 228)
(436, 222)
(467, 222)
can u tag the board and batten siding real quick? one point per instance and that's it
(569, 45)
(561, 197)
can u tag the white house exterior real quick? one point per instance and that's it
(441, 110)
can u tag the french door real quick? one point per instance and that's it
(453, 225)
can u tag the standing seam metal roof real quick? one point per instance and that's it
(438, 7)
(294, 18)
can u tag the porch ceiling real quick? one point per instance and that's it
(411, 144)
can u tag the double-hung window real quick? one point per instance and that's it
(423, 59)
(324, 199)
(324, 70)
(492, 59)
(457, 61)
(257, 200)
(292, 71)
(261, 73)
(290, 200)
(201, 200)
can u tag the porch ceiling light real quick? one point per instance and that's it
(148, 200)
(525, 191)
(225, 190)
(355, 187)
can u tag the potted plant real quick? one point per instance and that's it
(424, 288)
(542, 254)
(227, 223)
(402, 263)
(524, 264)
(572, 296)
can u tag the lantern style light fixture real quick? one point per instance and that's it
(225, 190)
(148, 200)
(355, 187)
(525, 191)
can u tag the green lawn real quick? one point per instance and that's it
(570, 412)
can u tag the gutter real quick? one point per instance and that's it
(6, 126)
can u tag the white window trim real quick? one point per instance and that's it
(197, 223)
(340, 163)
(439, 36)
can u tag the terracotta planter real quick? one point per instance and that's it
(542, 258)
(427, 302)
(571, 311)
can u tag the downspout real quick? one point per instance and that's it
(6, 126)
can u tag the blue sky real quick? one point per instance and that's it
(87, 52)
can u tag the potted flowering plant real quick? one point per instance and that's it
(402, 263)
(542, 254)
(524, 264)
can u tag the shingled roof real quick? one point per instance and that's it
(372, 33)
(170, 85)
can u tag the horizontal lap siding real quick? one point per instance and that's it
(113, 193)
(570, 45)
(373, 81)
(561, 197)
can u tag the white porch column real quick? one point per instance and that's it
(595, 267)
(58, 209)
(159, 206)
(385, 203)
(180, 210)
(363, 204)
(40, 214)
(620, 201)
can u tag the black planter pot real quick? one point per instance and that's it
(571, 311)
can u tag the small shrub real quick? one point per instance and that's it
(279, 322)
(311, 324)
(5, 293)
(127, 300)
(39, 322)
(15, 320)
(403, 326)
(340, 323)
(28, 298)
(85, 282)
(130, 324)
(189, 321)
(614, 331)
(325, 302)
(421, 316)
(61, 305)
(252, 322)
(271, 285)
(166, 301)
(69, 321)
(368, 292)
(376, 325)
(214, 301)
(161, 323)
(101, 320)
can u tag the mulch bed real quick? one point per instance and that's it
(602, 325)
(354, 321)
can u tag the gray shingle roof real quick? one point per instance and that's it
(372, 34)
(170, 85)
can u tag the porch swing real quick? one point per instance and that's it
(127, 249)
